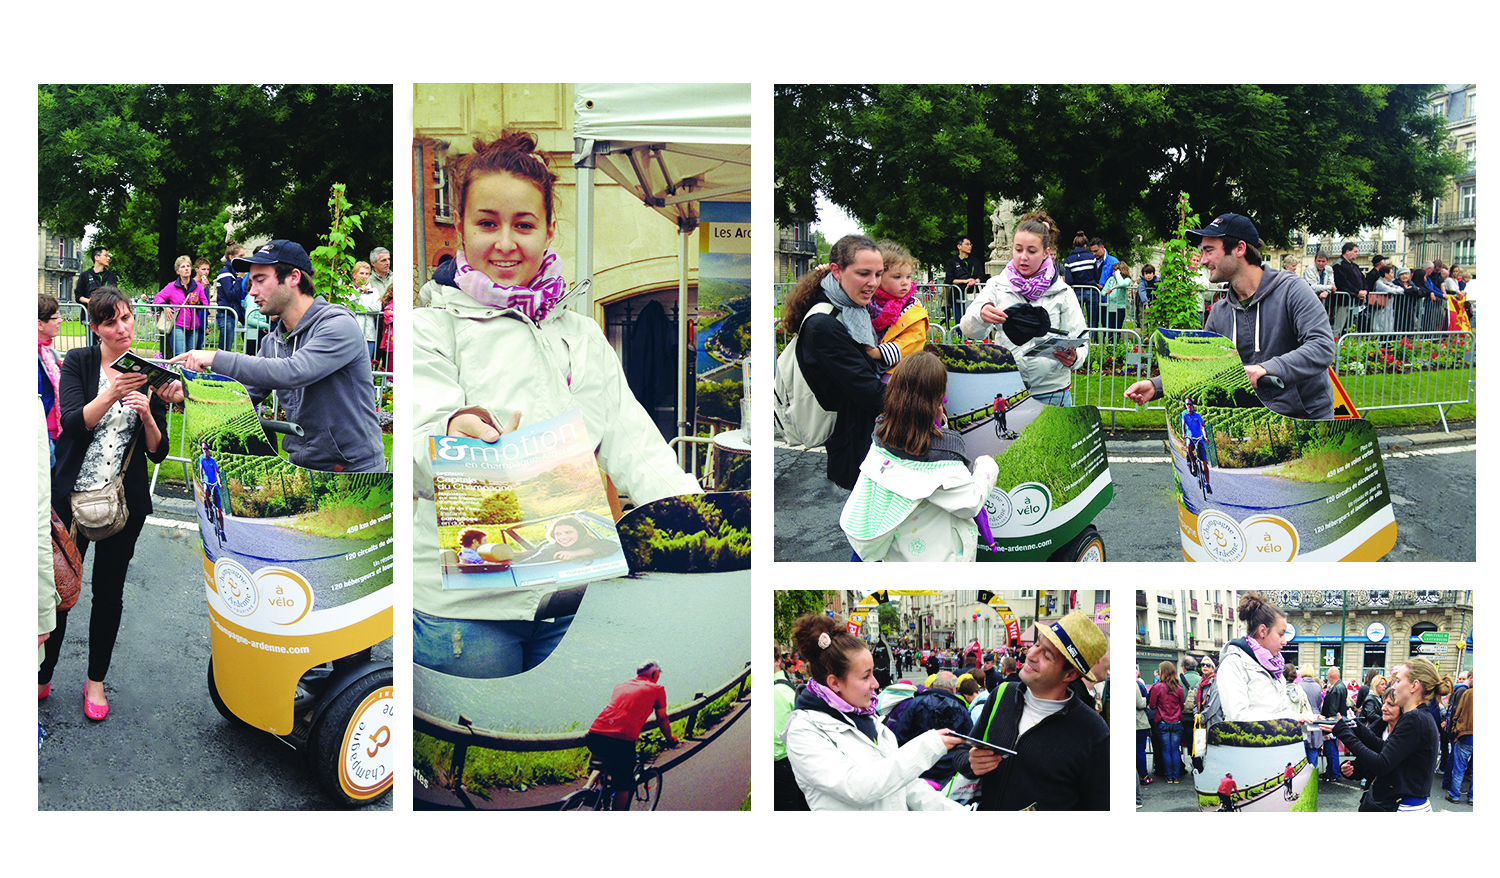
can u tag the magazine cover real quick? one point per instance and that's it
(528, 509)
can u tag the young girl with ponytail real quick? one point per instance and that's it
(1032, 278)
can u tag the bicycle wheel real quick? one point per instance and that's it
(585, 799)
(647, 791)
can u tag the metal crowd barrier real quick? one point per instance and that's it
(1117, 358)
(1386, 370)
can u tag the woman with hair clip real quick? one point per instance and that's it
(492, 353)
(844, 758)
(1408, 758)
(1030, 278)
(1250, 668)
(925, 511)
(838, 349)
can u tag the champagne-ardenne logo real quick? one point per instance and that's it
(236, 587)
(998, 508)
(1220, 536)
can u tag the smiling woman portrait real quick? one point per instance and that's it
(844, 757)
(492, 353)
(838, 351)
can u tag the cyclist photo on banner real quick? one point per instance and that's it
(1196, 436)
(612, 738)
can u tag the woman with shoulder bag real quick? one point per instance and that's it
(109, 430)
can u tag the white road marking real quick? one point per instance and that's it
(171, 522)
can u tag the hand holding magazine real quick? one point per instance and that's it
(527, 509)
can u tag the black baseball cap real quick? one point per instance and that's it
(1229, 225)
(279, 250)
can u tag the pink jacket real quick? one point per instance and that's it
(172, 294)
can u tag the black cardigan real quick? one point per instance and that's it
(1062, 763)
(1409, 757)
(845, 380)
(77, 387)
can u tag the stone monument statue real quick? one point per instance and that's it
(1000, 246)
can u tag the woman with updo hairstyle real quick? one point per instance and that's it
(844, 757)
(1031, 278)
(838, 351)
(1250, 667)
(492, 353)
(1406, 760)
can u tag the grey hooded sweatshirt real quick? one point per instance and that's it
(321, 371)
(1283, 328)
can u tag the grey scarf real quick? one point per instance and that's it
(856, 318)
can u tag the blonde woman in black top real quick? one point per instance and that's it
(1408, 758)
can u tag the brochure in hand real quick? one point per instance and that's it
(526, 510)
(157, 374)
(1045, 345)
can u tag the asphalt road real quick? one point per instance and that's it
(1432, 491)
(164, 746)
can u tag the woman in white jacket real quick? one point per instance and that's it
(493, 352)
(1031, 279)
(1250, 668)
(844, 758)
(917, 493)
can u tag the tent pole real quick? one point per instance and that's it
(684, 423)
(419, 209)
(583, 164)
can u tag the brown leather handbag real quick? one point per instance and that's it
(67, 565)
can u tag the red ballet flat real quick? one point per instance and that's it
(90, 709)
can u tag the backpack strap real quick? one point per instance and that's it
(820, 308)
(994, 708)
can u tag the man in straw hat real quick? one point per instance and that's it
(1061, 742)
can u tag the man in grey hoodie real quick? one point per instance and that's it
(314, 356)
(1273, 317)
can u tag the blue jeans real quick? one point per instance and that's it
(179, 341)
(226, 323)
(1463, 754)
(479, 648)
(1331, 750)
(1141, 737)
(1062, 397)
(1171, 745)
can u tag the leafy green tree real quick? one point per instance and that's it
(500, 507)
(890, 618)
(917, 162)
(791, 605)
(159, 170)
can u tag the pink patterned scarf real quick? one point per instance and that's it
(1271, 662)
(832, 699)
(1029, 287)
(48, 358)
(535, 300)
(890, 309)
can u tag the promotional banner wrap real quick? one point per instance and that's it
(296, 563)
(1256, 756)
(1254, 485)
(1054, 473)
